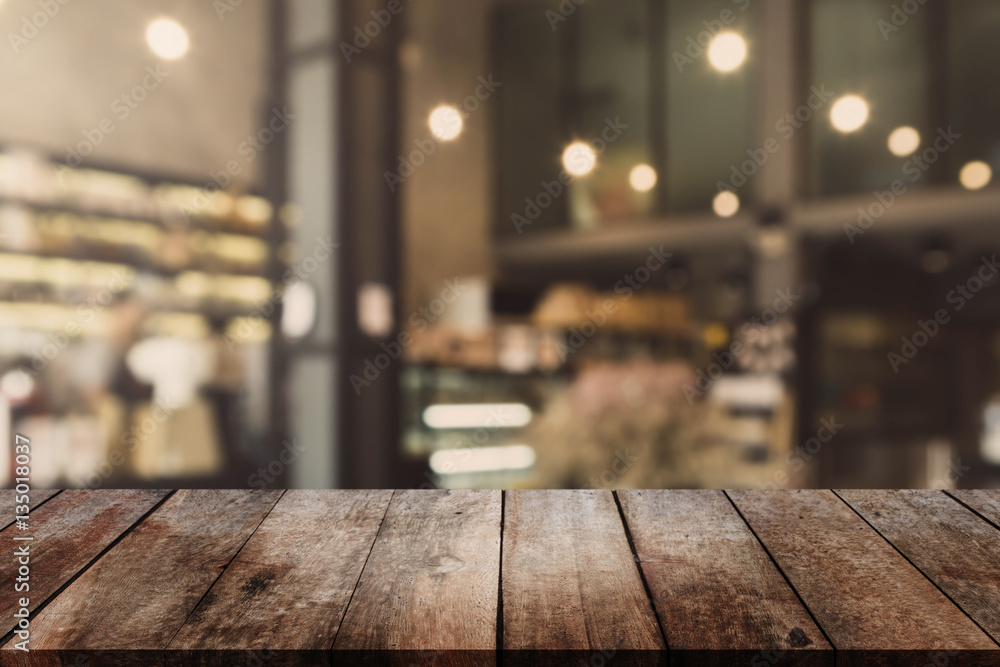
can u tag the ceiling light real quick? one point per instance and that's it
(726, 204)
(579, 159)
(904, 141)
(445, 123)
(975, 175)
(167, 38)
(849, 113)
(727, 51)
(642, 178)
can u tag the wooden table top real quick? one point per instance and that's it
(240, 577)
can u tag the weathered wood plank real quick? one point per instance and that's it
(718, 595)
(126, 607)
(285, 593)
(953, 547)
(872, 603)
(7, 496)
(68, 533)
(430, 587)
(571, 589)
(984, 501)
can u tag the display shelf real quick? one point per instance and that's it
(117, 289)
(200, 222)
(84, 255)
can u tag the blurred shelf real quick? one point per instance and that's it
(928, 209)
(205, 223)
(142, 267)
(623, 242)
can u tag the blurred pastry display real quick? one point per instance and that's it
(115, 296)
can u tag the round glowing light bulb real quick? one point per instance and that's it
(975, 175)
(849, 113)
(445, 123)
(727, 51)
(167, 38)
(904, 141)
(726, 204)
(579, 159)
(642, 178)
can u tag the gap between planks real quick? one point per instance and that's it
(642, 574)
(499, 629)
(499, 639)
(783, 575)
(223, 570)
(971, 509)
(361, 573)
(914, 565)
(128, 531)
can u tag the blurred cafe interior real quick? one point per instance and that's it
(501, 243)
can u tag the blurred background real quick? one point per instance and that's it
(501, 243)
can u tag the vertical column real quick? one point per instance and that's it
(368, 381)
(778, 65)
(311, 69)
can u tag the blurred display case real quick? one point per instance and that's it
(134, 335)
(582, 394)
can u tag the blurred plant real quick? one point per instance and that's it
(637, 407)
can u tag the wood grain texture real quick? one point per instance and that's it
(429, 589)
(126, 607)
(286, 592)
(68, 533)
(984, 501)
(571, 589)
(952, 546)
(35, 498)
(718, 594)
(873, 605)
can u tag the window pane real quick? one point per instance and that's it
(530, 132)
(855, 51)
(974, 38)
(708, 113)
(611, 111)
